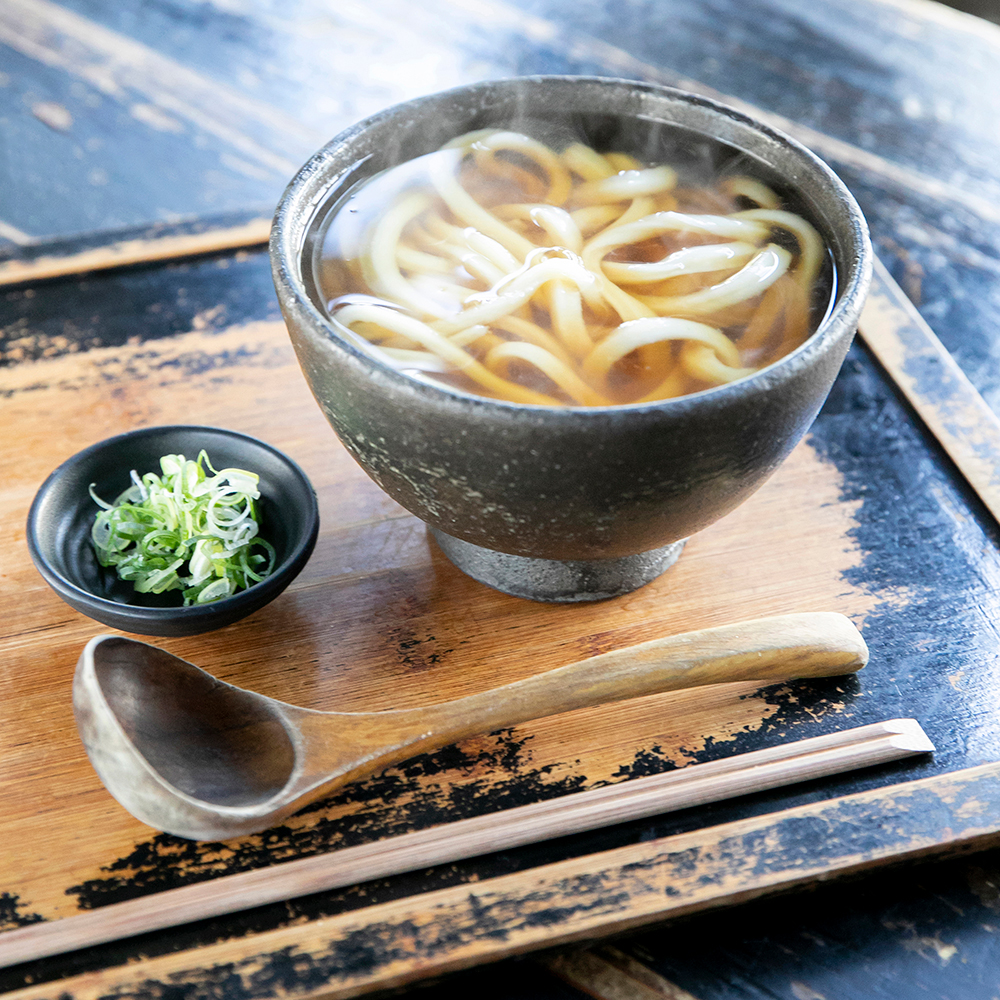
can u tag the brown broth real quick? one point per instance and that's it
(399, 272)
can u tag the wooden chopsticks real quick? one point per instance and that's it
(696, 784)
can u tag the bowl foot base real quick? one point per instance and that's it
(557, 580)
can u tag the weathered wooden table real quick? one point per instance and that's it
(144, 146)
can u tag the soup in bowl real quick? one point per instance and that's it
(567, 321)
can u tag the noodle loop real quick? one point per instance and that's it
(580, 278)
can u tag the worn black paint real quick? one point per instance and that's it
(13, 912)
(886, 937)
(891, 459)
(396, 801)
(946, 258)
(65, 248)
(845, 831)
(929, 551)
(133, 305)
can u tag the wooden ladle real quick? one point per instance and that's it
(199, 758)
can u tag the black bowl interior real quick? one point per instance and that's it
(63, 513)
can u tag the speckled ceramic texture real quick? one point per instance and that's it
(565, 483)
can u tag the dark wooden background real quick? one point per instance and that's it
(135, 120)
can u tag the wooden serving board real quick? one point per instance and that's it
(887, 511)
(380, 619)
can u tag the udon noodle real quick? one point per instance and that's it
(505, 268)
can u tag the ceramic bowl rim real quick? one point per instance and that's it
(306, 191)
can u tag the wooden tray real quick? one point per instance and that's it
(380, 619)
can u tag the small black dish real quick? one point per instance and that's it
(62, 515)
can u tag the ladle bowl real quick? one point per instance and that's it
(194, 756)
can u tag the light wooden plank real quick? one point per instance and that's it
(744, 774)
(378, 619)
(392, 944)
(935, 386)
(68, 261)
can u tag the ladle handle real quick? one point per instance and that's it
(821, 644)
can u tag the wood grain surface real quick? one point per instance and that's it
(935, 385)
(744, 774)
(380, 619)
(127, 124)
(391, 944)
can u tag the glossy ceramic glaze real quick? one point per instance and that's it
(585, 486)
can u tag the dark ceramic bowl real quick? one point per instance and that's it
(62, 515)
(567, 503)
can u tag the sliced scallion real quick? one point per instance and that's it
(191, 528)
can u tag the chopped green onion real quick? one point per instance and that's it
(185, 530)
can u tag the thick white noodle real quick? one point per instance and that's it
(478, 266)
(627, 306)
(515, 290)
(655, 330)
(725, 227)
(703, 362)
(594, 218)
(551, 367)
(638, 209)
(751, 280)
(458, 290)
(627, 184)
(442, 289)
(464, 207)
(411, 259)
(420, 333)
(810, 245)
(456, 240)
(586, 162)
(560, 182)
(689, 260)
(623, 161)
(531, 333)
(470, 335)
(408, 360)
(773, 304)
(752, 189)
(384, 275)
(494, 252)
(557, 224)
(566, 311)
